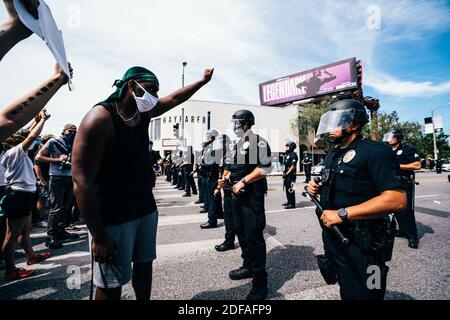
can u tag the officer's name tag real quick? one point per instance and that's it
(349, 156)
(399, 152)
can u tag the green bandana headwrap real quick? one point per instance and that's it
(139, 74)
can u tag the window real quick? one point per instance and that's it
(156, 129)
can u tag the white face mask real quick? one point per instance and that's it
(147, 102)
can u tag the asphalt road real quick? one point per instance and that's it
(188, 267)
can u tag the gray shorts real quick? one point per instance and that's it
(135, 242)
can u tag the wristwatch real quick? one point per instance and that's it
(244, 181)
(343, 214)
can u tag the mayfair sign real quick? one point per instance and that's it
(187, 119)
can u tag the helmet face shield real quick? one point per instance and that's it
(334, 120)
(388, 137)
(237, 123)
(221, 142)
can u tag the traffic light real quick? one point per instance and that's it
(176, 130)
(359, 72)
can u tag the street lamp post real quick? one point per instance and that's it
(182, 110)
(436, 152)
(434, 137)
(182, 77)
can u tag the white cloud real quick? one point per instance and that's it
(403, 89)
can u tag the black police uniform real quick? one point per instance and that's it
(211, 167)
(248, 207)
(154, 157)
(200, 177)
(439, 166)
(173, 170)
(189, 182)
(168, 168)
(290, 160)
(307, 163)
(406, 219)
(230, 232)
(352, 176)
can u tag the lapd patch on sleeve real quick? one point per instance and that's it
(416, 156)
(349, 156)
(262, 144)
(399, 152)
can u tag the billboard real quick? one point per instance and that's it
(335, 77)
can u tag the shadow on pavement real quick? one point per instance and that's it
(433, 212)
(395, 295)
(282, 266)
(423, 230)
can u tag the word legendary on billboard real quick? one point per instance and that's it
(332, 78)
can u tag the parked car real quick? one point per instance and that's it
(446, 166)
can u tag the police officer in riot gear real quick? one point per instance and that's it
(187, 170)
(200, 175)
(179, 170)
(307, 164)
(223, 152)
(290, 174)
(211, 168)
(409, 161)
(246, 172)
(358, 191)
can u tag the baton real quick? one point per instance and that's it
(344, 240)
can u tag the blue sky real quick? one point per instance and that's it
(405, 55)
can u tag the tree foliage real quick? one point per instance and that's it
(414, 135)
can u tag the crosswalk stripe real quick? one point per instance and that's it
(167, 251)
(176, 220)
(38, 294)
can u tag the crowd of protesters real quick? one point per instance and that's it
(26, 187)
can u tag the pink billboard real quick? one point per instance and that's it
(316, 82)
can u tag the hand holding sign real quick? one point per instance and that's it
(45, 27)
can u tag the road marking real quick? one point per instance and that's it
(4, 285)
(38, 294)
(428, 196)
(157, 196)
(166, 251)
(176, 220)
(161, 205)
(432, 180)
(273, 243)
(287, 210)
(76, 254)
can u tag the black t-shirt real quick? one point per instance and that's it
(248, 154)
(361, 172)
(124, 178)
(406, 155)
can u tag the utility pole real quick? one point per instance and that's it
(434, 137)
(182, 110)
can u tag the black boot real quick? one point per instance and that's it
(259, 291)
(413, 244)
(225, 247)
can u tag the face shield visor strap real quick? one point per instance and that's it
(334, 120)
